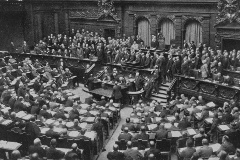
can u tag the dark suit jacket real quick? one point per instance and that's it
(129, 125)
(53, 153)
(89, 101)
(115, 155)
(32, 129)
(117, 94)
(125, 136)
(51, 133)
(161, 133)
(142, 136)
(37, 149)
(154, 151)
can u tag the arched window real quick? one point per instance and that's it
(193, 32)
(168, 30)
(143, 30)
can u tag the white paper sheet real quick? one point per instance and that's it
(191, 131)
(73, 133)
(176, 134)
(223, 127)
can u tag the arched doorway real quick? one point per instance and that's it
(166, 26)
(193, 32)
(143, 30)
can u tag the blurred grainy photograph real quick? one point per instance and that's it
(119, 79)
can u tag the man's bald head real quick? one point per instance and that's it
(74, 146)
(126, 129)
(115, 147)
(205, 141)
(37, 142)
(129, 144)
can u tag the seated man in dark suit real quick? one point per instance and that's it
(75, 153)
(125, 135)
(52, 133)
(188, 151)
(37, 148)
(152, 150)
(142, 135)
(161, 132)
(204, 152)
(32, 128)
(76, 125)
(115, 155)
(52, 152)
(226, 146)
(44, 113)
(129, 125)
(17, 128)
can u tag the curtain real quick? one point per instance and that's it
(194, 33)
(144, 31)
(168, 31)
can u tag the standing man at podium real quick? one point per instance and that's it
(117, 94)
(138, 82)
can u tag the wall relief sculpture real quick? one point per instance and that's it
(228, 11)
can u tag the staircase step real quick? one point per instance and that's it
(167, 84)
(159, 99)
(160, 96)
(163, 88)
(162, 91)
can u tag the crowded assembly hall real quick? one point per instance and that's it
(120, 80)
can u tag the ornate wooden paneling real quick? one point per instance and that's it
(209, 90)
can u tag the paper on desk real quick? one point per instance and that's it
(68, 109)
(12, 145)
(83, 125)
(158, 119)
(84, 106)
(58, 130)
(211, 104)
(112, 108)
(49, 121)
(209, 120)
(65, 150)
(171, 118)
(139, 114)
(1, 118)
(167, 125)
(223, 127)
(92, 135)
(94, 112)
(2, 143)
(215, 147)
(44, 130)
(73, 133)
(176, 134)
(69, 124)
(21, 114)
(191, 131)
(27, 117)
(152, 126)
(90, 119)
(117, 104)
(7, 122)
(82, 111)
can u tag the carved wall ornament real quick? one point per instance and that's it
(197, 18)
(106, 9)
(161, 17)
(84, 14)
(228, 11)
